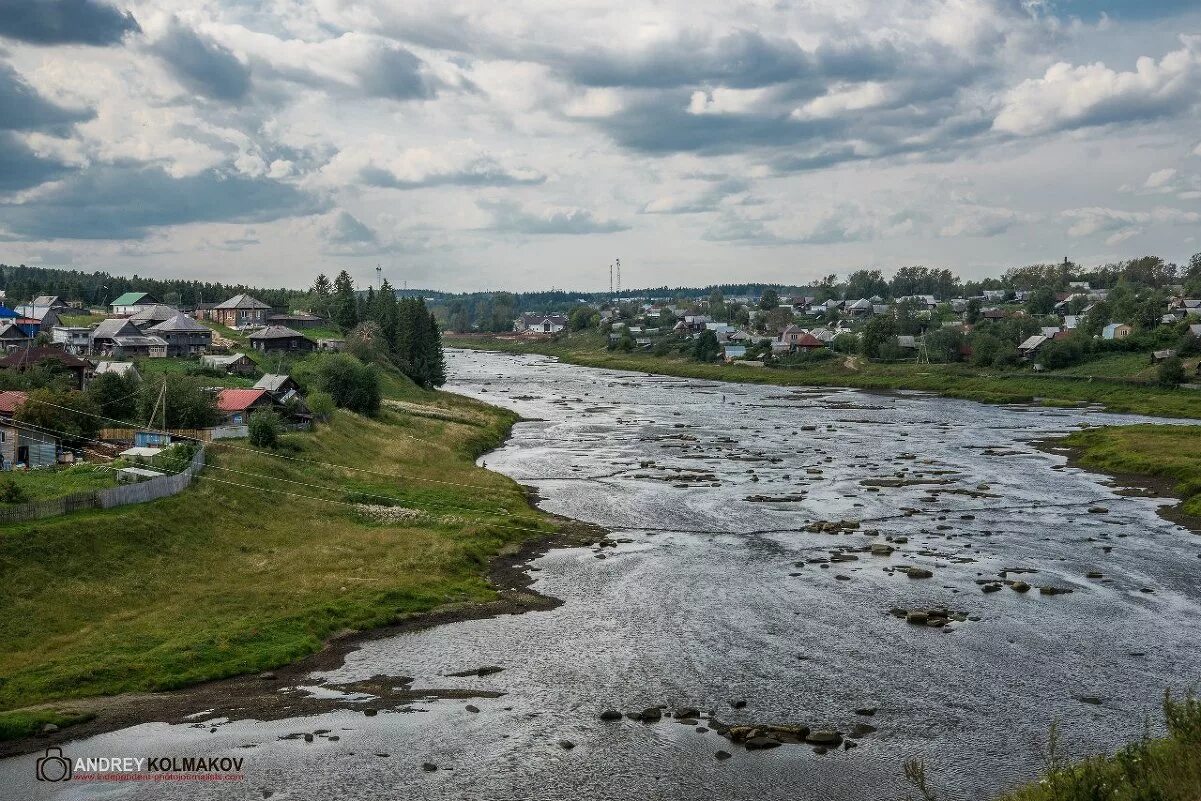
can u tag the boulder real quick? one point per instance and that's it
(610, 714)
(824, 737)
(761, 743)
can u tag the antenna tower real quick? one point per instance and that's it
(619, 276)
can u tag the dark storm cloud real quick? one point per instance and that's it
(53, 22)
(511, 218)
(21, 168)
(481, 172)
(124, 202)
(662, 124)
(23, 109)
(202, 65)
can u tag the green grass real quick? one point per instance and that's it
(179, 366)
(80, 320)
(953, 380)
(1168, 452)
(55, 482)
(216, 581)
(1152, 769)
(24, 723)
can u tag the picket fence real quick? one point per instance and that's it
(125, 494)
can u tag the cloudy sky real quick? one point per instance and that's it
(470, 144)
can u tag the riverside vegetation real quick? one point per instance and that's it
(156, 596)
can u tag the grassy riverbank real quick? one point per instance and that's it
(1152, 769)
(262, 560)
(1171, 453)
(1109, 385)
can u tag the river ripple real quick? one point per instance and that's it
(701, 607)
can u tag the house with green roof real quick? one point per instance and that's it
(132, 302)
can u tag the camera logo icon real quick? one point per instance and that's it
(53, 767)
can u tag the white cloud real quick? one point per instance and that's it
(1094, 94)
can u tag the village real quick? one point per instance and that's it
(93, 398)
(1131, 330)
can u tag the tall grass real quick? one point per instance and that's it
(261, 562)
(1150, 769)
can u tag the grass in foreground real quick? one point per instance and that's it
(230, 578)
(24, 724)
(1152, 769)
(987, 385)
(1170, 452)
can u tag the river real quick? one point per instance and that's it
(720, 592)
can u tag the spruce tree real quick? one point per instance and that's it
(345, 309)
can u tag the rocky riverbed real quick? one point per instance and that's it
(802, 589)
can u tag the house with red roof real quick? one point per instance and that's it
(236, 405)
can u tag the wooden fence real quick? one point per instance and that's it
(143, 491)
(194, 434)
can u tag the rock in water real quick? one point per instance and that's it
(761, 743)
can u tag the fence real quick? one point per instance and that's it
(141, 492)
(196, 434)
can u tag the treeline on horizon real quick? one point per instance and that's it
(496, 310)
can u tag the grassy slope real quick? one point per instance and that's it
(157, 596)
(957, 381)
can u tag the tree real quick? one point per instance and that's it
(769, 300)
(706, 347)
(321, 292)
(344, 308)
(866, 283)
(352, 384)
(188, 402)
(264, 428)
(1041, 301)
(72, 415)
(583, 317)
(944, 345)
(322, 405)
(1171, 372)
(115, 395)
(878, 331)
(973, 311)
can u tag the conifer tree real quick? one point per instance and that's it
(345, 309)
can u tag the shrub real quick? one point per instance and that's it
(12, 492)
(264, 428)
(322, 405)
(1171, 372)
(352, 384)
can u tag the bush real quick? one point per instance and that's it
(1171, 372)
(352, 384)
(264, 428)
(322, 405)
(12, 492)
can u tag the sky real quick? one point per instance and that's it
(473, 145)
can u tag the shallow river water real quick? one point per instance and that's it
(721, 593)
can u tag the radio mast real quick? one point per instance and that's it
(618, 276)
